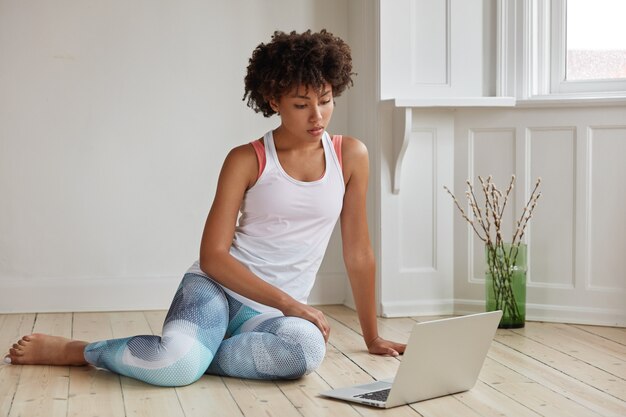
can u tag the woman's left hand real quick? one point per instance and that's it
(380, 346)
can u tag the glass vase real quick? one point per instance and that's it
(505, 283)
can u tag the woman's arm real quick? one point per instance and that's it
(357, 250)
(239, 173)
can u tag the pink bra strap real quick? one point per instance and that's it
(259, 148)
(337, 139)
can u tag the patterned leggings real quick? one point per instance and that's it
(203, 333)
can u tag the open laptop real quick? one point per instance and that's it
(442, 357)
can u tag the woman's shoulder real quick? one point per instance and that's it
(352, 148)
(244, 153)
(242, 159)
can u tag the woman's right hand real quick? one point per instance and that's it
(297, 309)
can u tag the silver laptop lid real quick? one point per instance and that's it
(443, 357)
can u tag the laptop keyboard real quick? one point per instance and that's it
(375, 395)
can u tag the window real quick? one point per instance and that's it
(588, 46)
(595, 39)
(561, 49)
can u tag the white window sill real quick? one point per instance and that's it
(552, 100)
(404, 108)
(571, 100)
(455, 102)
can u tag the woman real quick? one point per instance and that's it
(241, 309)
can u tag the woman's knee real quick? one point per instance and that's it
(199, 301)
(184, 372)
(311, 346)
(171, 362)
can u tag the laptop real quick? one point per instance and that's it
(442, 357)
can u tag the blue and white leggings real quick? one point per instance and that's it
(203, 333)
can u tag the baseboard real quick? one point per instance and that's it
(102, 294)
(554, 313)
(417, 308)
(534, 312)
(155, 293)
(53, 295)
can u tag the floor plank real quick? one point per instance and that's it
(260, 398)
(530, 393)
(141, 399)
(94, 392)
(12, 328)
(304, 395)
(564, 363)
(611, 358)
(615, 334)
(567, 386)
(43, 390)
(208, 397)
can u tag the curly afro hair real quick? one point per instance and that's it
(292, 60)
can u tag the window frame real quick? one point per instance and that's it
(532, 55)
(558, 43)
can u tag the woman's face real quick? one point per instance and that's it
(305, 112)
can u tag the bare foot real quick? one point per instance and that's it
(43, 349)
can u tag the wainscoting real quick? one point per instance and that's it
(576, 236)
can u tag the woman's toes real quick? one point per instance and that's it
(16, 352)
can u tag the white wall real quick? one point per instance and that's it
(114, 120)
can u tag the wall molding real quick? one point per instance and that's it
(531, 140)
(428, 135)
(471, 175)
(418, 308)
(554, 313)
(413, 50)
(534, 312)
(53, 295)
(591, 139)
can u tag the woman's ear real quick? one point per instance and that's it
(273, 104)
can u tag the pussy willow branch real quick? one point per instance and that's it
(506, 194)
(492, 200)
(463, 214)
(473, 202)
(485, 191)
(527, 212)
(495, 204)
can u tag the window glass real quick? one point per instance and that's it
(596, 40)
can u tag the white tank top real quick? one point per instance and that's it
(285, 225)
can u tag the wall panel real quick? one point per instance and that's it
(428, 48)
(552, 153)
(606, 208)
(417, 209)
(492, 152)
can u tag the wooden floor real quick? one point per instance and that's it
(542, 370)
